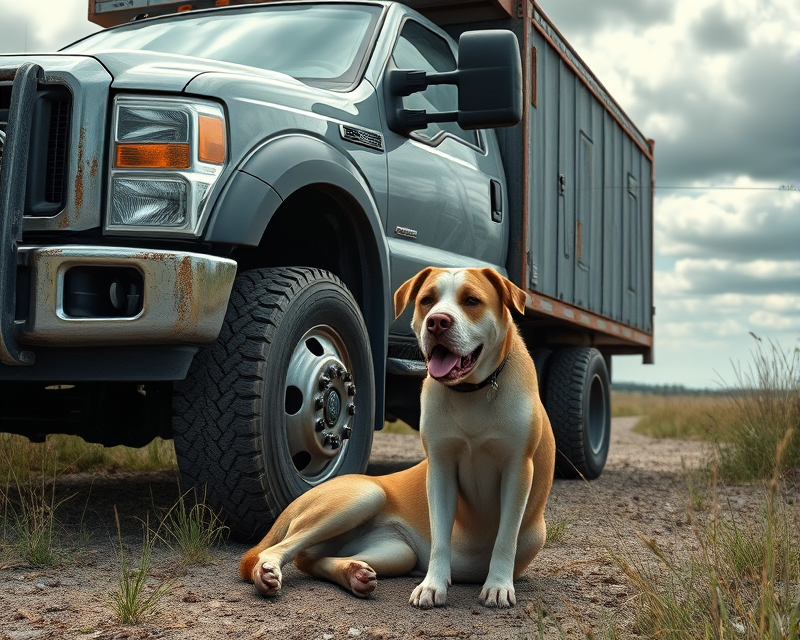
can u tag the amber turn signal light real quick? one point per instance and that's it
(212, 139)
(153, 156)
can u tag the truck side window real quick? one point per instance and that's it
(419, 48)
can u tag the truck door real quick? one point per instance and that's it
(445, 195)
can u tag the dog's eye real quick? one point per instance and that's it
(472, 301)
(427, 301)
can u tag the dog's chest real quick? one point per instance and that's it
(477, 432)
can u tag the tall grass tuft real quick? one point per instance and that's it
(29, 504)
(766, 405)
(742, 582)
(134, 600)
(192, 529)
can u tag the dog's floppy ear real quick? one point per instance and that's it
(512, 296)
(408, 291)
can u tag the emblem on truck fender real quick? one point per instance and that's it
(405, 232)
(364, 137)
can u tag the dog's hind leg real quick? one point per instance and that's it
(324, 512)
(361, 560)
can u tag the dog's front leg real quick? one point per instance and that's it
(442, 491)
(515, 486)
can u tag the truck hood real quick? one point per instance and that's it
(152, 71)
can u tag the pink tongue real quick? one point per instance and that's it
(442, 362)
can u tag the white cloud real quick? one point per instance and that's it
(741, 223)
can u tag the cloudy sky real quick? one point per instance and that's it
(717, 85)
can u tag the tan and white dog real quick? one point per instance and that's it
(473, 511)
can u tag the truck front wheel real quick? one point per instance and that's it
(578, 403)
(282, 401)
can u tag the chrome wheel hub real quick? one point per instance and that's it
(319, 403)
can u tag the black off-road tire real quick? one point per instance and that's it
(237, 415)
(578, 402)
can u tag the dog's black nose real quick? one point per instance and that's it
(438, 323)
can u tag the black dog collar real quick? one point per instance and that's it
(466, 387)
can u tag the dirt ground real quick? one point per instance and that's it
(572, 587)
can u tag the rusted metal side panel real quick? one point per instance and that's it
(590, 216)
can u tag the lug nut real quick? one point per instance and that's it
(333, 371)
(346, 433)
(324, 381)
(318, 403)
(351, 390)
(347, 376)
(351, 410)
(319, 425)
(335, 442)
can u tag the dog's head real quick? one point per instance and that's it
(462, 319)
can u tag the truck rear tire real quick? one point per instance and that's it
(578, 402)
(271, 409)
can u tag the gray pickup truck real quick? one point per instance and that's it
(205, 210)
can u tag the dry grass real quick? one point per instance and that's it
(765, 405)
(399, 427)
(746, 422)
(71, 454)
(689, 417)
(743, 581)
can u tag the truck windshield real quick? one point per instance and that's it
(320, 43)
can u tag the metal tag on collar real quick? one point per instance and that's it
(491, 394)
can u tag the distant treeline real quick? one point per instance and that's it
(665, 389)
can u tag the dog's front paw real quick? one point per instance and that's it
(429, 593)
(267, 578)
(498, 596)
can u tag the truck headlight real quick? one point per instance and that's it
(166, 155)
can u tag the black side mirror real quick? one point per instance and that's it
(489, 80)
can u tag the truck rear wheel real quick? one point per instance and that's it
(282, 401)
(578, 402)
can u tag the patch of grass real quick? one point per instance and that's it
(30, 526)
(400, 427)
(191, 527)
(72, 454)
(626, 403)
(134, 599)
(742, 582)
(691, 417)
(765, 406)
(746, 422)
(558, 526)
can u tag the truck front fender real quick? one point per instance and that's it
(274, 171)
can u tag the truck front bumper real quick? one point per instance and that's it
(176, 297)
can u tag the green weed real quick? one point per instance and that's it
(29, 505)
(192, 529)
(134, 600)
(558, 526)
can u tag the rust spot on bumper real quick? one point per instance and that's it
(183, 289)
(79, 174)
